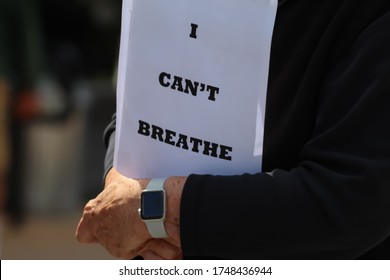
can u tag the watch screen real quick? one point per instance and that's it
(152, 205)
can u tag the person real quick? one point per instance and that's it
(325, 187)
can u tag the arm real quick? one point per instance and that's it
(333, 203)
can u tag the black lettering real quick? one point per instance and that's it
(177, 83)
(191, 87)
(161, 78)
(182, 142)
(187, 86)
(144, 128)
(210, 149)
(213, 91)
(194, 27)
(157, 133)
(224, 154)
(169, 135)
(196, 142)
(179, 140)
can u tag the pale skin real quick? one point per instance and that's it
(112, 219)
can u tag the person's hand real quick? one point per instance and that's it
(112, 220)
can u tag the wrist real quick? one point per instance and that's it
(174, 189)
(169, 224)
(112, 176)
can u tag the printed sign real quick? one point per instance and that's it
(192, 83)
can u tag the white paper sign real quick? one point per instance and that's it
(192, 86)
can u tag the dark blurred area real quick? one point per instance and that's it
(57, 93)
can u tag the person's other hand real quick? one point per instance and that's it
(112, 220)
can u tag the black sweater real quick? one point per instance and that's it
(325, 188)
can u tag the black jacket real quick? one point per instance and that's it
(325, 189)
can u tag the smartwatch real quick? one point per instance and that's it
(152, 210)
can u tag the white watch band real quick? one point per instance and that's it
(156, 228)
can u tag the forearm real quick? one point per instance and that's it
(307, 213)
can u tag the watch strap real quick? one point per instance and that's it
(156, 228)
(156, 184)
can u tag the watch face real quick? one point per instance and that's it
(152, 205)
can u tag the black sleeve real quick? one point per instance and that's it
(334, 204)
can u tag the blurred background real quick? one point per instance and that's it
(57, 93)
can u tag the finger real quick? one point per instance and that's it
(149, 255)
(163, 249)
(129, 255)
